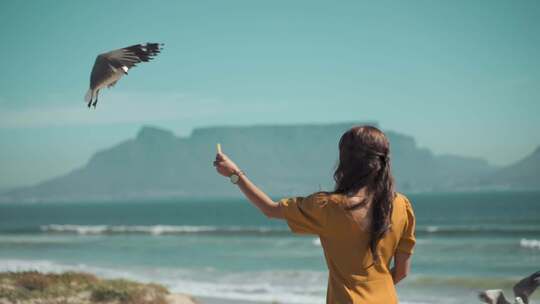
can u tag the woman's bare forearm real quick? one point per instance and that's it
(395, 276)
(226, 167)
(259, 198)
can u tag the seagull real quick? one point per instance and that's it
(111, 66)
(522, 290)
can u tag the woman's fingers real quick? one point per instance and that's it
(221, 156)
(224, 165)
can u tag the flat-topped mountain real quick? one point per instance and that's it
(283, 160)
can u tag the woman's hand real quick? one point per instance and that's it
(224, 165)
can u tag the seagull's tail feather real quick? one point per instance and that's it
(89, 96)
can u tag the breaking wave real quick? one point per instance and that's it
(530, 244)
(159, 229)
(187, 229)
(523, 231)
(473, 229)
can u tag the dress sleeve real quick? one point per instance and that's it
(305, 215)
(408, 239)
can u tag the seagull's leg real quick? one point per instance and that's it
(91, 98)
(95, 101)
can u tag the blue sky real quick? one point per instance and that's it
(462, 77)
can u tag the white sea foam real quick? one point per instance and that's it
(532, 244)
(483, 229)
(186, 229)
(53, 267)
(432, 229)
(259, 292)
(79, 229)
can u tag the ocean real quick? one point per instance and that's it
(225, 249)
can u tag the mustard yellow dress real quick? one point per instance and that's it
(352, 278)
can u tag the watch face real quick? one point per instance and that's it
(234, 178)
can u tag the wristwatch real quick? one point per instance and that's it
(235, 177)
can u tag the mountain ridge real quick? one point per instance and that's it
(284, 160)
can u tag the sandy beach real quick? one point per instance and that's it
(213, 300)
(177, 298)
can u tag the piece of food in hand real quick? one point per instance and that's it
(218, 147)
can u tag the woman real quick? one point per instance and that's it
(363, 224)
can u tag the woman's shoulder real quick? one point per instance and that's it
(324, 197)
(401, 201)
(401, 197)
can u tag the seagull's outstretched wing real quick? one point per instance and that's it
(124, 59)
(527, 286)
(131, 55)
(493, 296)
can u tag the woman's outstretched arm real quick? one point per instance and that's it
(226, 167)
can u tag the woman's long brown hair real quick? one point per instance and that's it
(364, 162)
